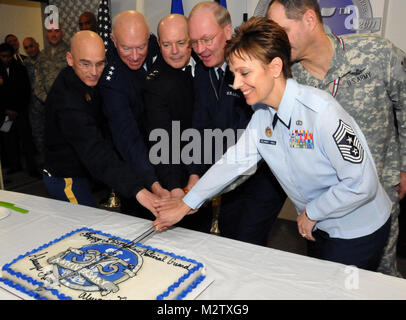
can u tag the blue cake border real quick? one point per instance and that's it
(61, 296)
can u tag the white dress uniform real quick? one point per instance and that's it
(320, 157)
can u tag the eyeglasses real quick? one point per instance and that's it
(207, 41)
(86, 65)
(29, 46)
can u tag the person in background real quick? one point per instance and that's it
(343, 210)
(14, 100)
(51, 61)
(77, 144)
(36, 108)
(366, 74)
(88, 21)
(12, 40)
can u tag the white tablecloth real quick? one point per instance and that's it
(239, 270)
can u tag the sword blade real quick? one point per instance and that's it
(147, 233)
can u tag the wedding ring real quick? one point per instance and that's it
(304, 235)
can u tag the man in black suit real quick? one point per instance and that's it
(14, 100)
(12, 40)
(169, 98)
(249, 211)
(77, 144)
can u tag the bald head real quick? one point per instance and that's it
(87, 56)
(31, 47)
(172, 21)
(129, 20)
(173, 40)
(130, 34)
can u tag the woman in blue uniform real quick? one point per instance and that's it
(314, 148)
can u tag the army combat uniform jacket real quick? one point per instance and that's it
(367, 76)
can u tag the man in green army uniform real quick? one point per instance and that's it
(36, 108)
(51, 61)
(366, 74)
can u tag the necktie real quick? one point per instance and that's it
(220, 73)
(275, 120)
(188, 70)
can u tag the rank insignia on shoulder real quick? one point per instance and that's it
(301, 139)
(268, 132)
(348, 143)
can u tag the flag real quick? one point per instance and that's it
(222, 2)
(177, 6)
(104, 22)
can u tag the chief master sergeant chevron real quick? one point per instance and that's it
(366, 74)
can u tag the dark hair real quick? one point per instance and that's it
(262, 39)
(6, 47)
(295, 9)
(9, 35)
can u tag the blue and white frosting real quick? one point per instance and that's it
(133, 262)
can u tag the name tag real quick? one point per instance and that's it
(271, 142)
(232, 93)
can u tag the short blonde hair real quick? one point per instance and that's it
(220, 13)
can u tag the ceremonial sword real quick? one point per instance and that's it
(149, 232)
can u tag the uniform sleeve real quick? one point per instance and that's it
(239, 159)
(98, 156)
(158, 115)
(343, 143)
(397, 94)
(126, 135)
(39, 83)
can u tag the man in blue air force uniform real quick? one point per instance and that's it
(248, 211)
(135, 50)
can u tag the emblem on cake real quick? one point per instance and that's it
(96, 267)
(87, 264)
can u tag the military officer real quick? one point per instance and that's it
(249, 211)
(169, 98)
(77, 145)
(50, 63)
(342, 208)
(366, 74)
(134, 51)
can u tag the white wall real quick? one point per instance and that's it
(393, 23)
(21, 18)
(155, 10)
(395, 28)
